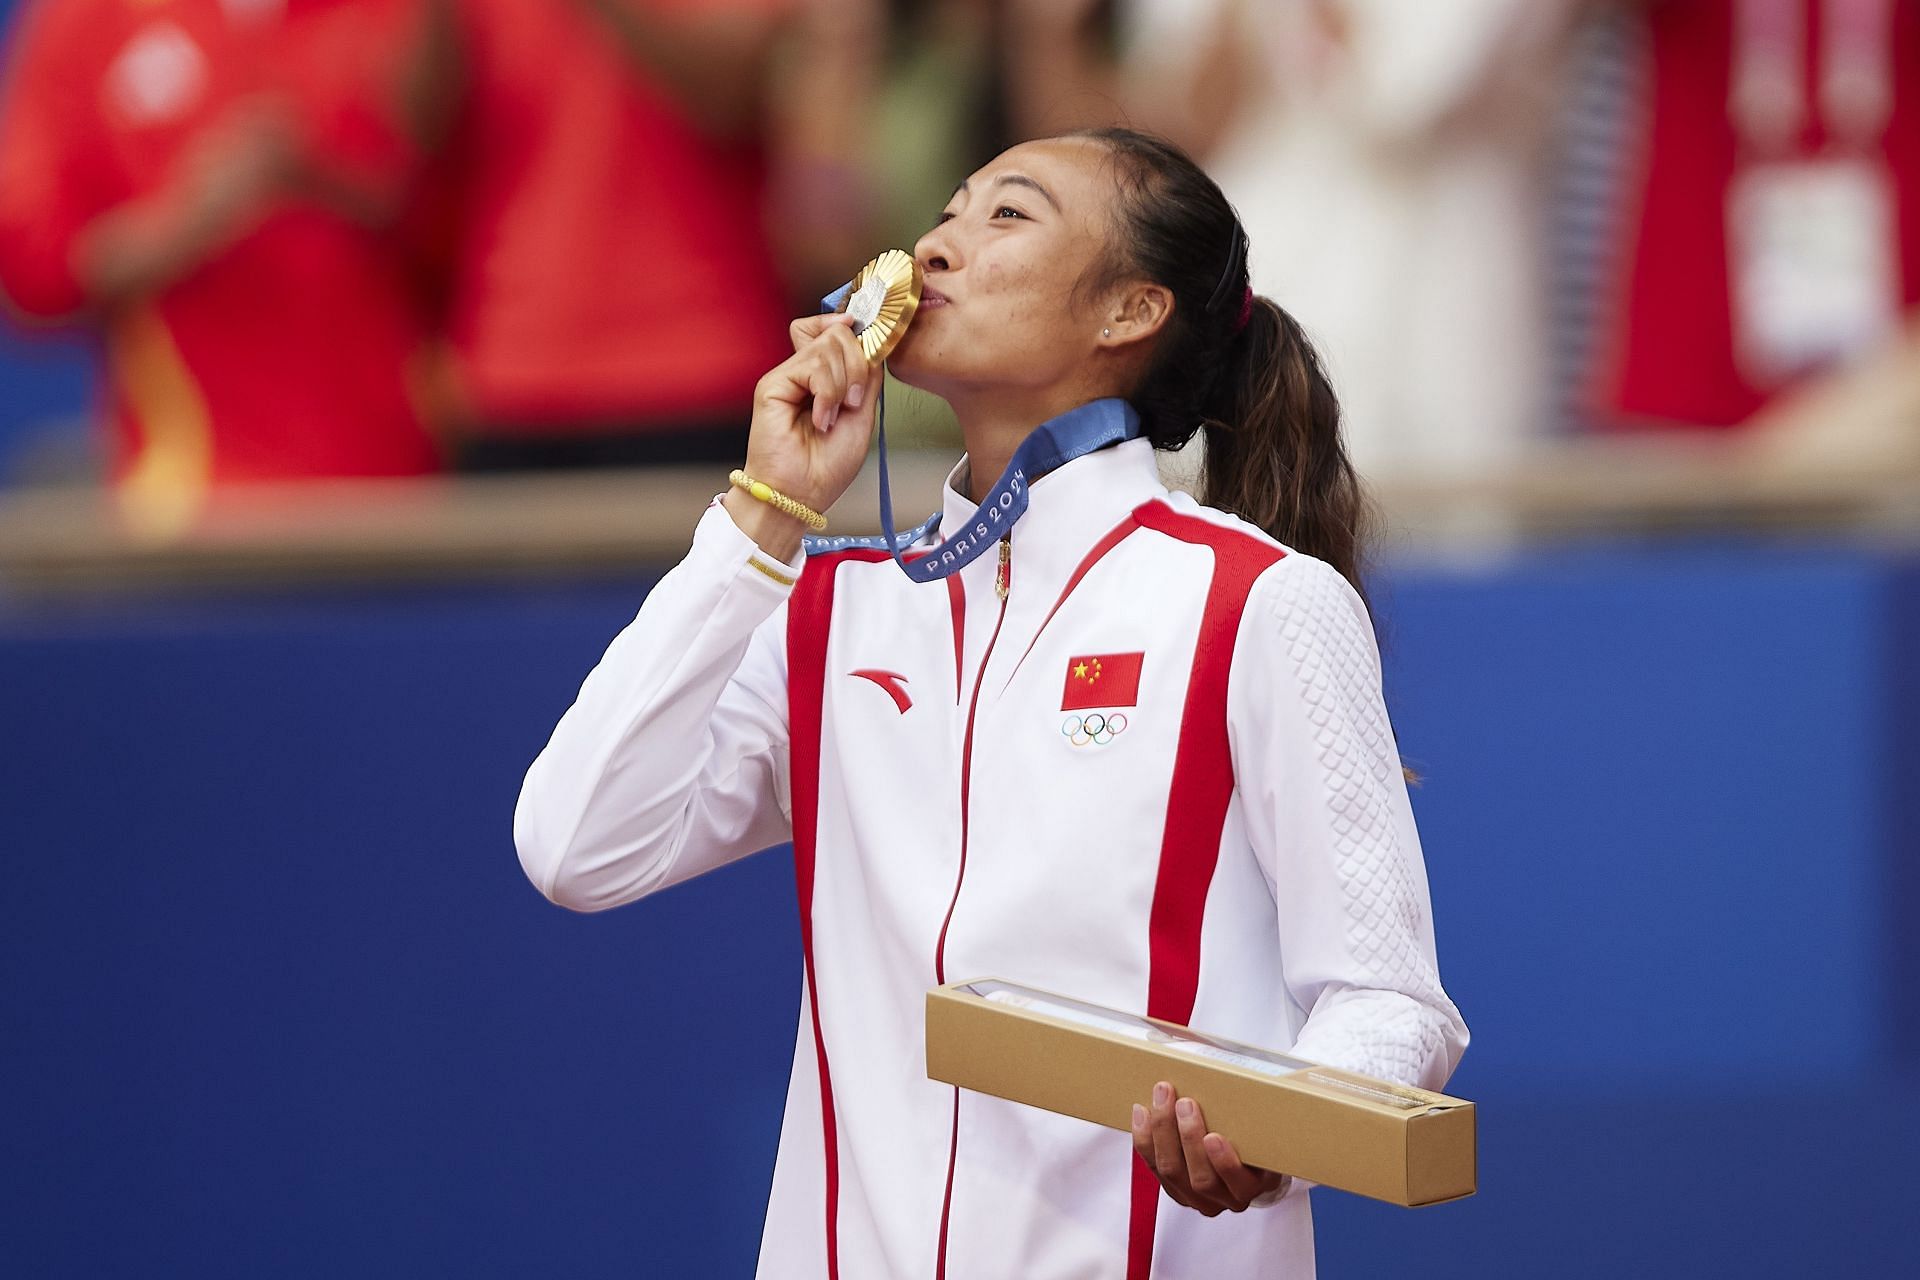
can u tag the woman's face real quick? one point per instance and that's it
(1000, 309)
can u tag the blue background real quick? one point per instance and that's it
(278, 1001)
(46, 394)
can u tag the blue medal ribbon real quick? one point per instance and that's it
(1054, 443)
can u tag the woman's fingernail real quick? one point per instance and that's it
(1161, 1093)
(1139, 1116)
(832, 415)
(1216, 1145)
(1185, 1109)
(855, 394)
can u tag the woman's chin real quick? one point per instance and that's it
(909, 363)
(934, 363)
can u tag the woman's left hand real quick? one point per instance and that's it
(1200, 1170)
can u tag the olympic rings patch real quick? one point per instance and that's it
(1093, 729)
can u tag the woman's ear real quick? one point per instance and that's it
(1140, 311)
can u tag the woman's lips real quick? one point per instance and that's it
(932, 298)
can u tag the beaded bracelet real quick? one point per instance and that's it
(778, 501)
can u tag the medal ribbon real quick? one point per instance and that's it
(1054, 443)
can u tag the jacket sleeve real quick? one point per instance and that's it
(1330, 821)
(673, 759)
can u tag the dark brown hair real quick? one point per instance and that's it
(1275, 456)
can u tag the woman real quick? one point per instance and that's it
(205, 184)
(1233, 848)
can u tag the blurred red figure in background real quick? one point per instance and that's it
(1775, 229)
(205, 181)
(613, 297)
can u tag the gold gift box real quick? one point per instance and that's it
(1336, 1128)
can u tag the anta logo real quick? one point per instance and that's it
(892, 681)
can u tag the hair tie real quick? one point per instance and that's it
(1246, 310)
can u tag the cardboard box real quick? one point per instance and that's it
(1371, 1137)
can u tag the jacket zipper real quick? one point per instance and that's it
(1002, 586)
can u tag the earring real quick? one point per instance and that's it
(1106, 333)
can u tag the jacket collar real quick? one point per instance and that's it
(1069, 509)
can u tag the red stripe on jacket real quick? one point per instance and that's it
(809, 620)
(1197, 803)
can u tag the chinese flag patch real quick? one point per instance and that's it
(1102, 680)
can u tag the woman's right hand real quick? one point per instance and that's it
(813, 415)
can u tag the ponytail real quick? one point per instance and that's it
(1235, 363)
(1275, 456)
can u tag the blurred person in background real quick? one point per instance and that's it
(1395, 155)
(612, 291)
(916, 96)
(208, 185)
(1769, 241)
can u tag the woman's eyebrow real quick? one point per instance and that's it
(1011, 179)
(1022, 180)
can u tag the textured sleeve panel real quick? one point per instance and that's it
(1330, 820)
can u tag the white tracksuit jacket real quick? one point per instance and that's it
(1240, 857)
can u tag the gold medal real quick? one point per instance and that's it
(882, 298)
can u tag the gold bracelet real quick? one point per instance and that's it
(778, 501)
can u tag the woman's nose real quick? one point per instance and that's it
(934, 250)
